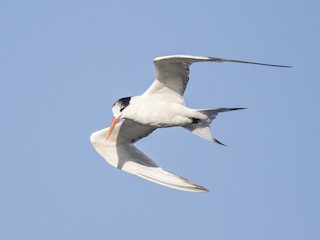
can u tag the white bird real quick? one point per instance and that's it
(162, 105)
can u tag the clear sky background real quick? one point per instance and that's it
(64, 63)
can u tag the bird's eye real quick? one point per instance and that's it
(121, 109)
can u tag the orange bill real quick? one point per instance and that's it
(115, 120)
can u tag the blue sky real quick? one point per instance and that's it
(63, 65)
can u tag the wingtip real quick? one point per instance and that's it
(197, 188)
(203, 189)
(216, 141)
(255, 63)
(234, 109)
(171, 180)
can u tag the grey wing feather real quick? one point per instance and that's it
(172, 74)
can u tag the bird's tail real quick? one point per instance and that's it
(202, 128)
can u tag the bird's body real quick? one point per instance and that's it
(151, 111)
(161, 105)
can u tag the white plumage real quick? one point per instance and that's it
(162, 105)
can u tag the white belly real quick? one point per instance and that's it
(157, 113)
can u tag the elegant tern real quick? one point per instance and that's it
(161, 105)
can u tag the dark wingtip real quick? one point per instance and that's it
(219, 142)
(257, 63)
(205, 189)
(233, 109)
(202, 189)
(280, 66)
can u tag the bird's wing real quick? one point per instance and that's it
(120, 152)
(172, 74)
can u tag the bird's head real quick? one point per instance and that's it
(118, 110)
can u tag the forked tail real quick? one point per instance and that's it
(202, 128)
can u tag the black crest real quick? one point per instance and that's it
(123, 102)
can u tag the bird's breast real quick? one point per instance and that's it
(159, 113)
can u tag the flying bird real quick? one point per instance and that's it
(161, 105)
